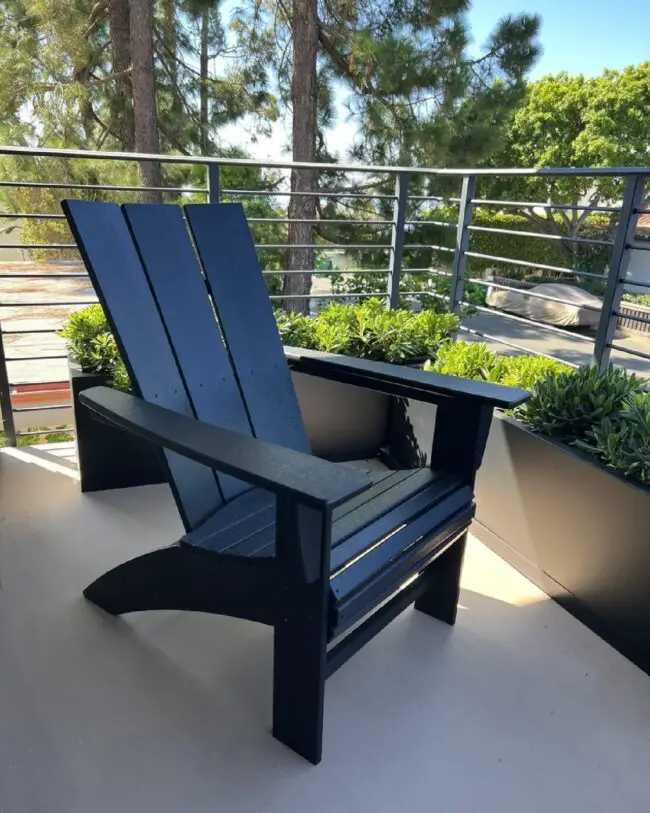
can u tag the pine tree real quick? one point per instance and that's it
(419, 94)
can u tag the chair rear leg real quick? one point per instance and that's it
(299, 664)
(440, 599)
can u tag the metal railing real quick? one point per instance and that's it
(390, 201)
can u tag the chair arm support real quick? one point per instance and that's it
(395, 379)
(285, 472)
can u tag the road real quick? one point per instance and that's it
(568, 346)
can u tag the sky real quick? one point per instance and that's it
(577, 36)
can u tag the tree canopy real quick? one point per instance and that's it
(571, 121)
(419, 93)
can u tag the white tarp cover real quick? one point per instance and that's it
(551, 313)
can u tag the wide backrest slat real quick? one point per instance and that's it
(225, 247)
(175, 275)
(121, 284)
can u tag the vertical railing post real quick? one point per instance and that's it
(397, 238)
(462, 243)
(213, 182)
(6, 410)
(632, 200)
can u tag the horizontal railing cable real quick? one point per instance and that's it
(522, 204)
(516, 233)
(510, 317)
(527, 264)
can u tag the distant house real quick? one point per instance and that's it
(638, 268)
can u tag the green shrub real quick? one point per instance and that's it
(370, 330)
(296, 329)
(58, 434)
(638, 299)
(92, 345)
(586, 257)
(568, 406)
(622, 440)
(465, 360)
(427, 288)
(525, 372)
(81, 330)
(367, 330)
(475, 360)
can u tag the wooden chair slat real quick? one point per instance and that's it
(120, 283)
(174, 273)
(225, 247)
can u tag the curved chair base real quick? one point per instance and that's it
(182, 578)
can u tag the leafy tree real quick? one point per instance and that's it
(571, 121)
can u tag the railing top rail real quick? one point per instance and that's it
(391, 170)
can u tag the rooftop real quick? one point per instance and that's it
(519, 707)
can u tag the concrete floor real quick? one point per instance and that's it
(518, 708)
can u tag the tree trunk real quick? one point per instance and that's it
(144, 91)
(122, 106)
(304, 100)
(203, 70)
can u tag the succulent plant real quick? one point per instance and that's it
(570, 405)
(622, 440)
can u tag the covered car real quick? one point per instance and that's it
(578, 309)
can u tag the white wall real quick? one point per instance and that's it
(638, 269)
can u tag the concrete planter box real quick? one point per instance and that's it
(343, 422)
(577, 530)
(108, 457)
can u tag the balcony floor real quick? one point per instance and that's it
(517, 708)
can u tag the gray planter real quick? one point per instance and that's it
(580, 532)
(343, 422)
(108, 457)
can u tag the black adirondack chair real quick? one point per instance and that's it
(322, 552)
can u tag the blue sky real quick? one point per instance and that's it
(577, 36)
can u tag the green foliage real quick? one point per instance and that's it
(569, 406)
(593, 259)
(531, 250)
(638, 299)
(80, 330)
(296, 329)
(413, 82)
(526, 372)
(572, 121)
(622, 440)
(369, 330)
(47, 435)
(474, 360)
(59, 86)
(606, 415)
(466, 360)
(92, 345)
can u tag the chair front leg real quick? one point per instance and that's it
(300, 631)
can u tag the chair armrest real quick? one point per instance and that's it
(394, 379)
(283, 471)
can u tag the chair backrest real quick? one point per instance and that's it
(228, 371)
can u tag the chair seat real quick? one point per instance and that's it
(379, 538)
